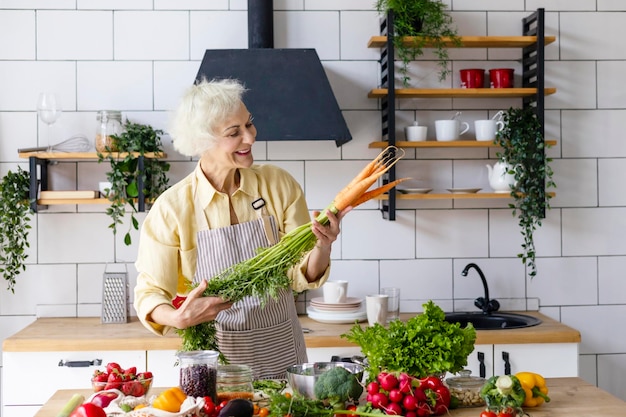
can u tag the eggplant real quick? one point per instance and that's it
(237, 407)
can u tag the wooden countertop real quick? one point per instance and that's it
(82, 334)
(570, 397)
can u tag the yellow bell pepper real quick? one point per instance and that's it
(535, 388)
(170, 400)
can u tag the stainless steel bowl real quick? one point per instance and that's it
(302, 377)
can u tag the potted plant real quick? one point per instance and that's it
(15, 218)
(135, 141)
(523, 149)
(428, 23)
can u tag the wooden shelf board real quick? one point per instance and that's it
(58, 201)
(471, 41)
(450, 196)
(84, 155)
(459, 92)
(437, 144)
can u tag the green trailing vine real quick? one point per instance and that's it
(15, 215)
(523, 145)
(428, 22)
(136, 140)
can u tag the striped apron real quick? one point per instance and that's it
(267, 338)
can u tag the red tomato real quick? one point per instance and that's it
(509, 412)
(443, 395)
(488, 413)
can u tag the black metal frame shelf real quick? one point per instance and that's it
(533, 89)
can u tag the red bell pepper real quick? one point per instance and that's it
(88, 410)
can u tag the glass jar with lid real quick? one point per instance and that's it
(234, 381)
(198, 373)
(466, 389)
(109, 124)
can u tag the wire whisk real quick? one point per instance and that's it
(76, 143)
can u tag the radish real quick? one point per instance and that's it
(393, 409)
(379, 400)
(409, 403)
(387, 381)
(373, 387)
(395, 396)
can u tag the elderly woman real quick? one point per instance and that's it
(218, 216)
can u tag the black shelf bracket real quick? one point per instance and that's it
(36, 180)
(388, 109)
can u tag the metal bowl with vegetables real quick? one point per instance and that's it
(309, 379)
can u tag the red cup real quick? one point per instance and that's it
(472, 78)
(501, 77)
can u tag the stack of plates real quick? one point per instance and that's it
(347, 312)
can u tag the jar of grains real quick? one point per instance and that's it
(466, 389)
(198, 373)
(234, 381)
(109, 124)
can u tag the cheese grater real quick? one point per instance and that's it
(115, 297)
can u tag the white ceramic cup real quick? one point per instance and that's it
(104, 187)
(335, 292)
(393, 303)
(415, 133)
(376, 306)
(487, 129)
(448, 130)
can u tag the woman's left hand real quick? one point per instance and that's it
(326, 235)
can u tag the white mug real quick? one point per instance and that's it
(487, 129)
(448, 130)
(415, 133)
(376, 306)
(335, 292)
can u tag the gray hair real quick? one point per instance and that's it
(202, 107)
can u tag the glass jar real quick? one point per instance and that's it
(466, 389)
(198, 373)
(109, 124)
(234, 381)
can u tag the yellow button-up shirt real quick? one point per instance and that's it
(167, 255)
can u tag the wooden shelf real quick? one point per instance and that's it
(84, 155)
(470, 41)
(451, 144)
(450, 196)
(403, 93)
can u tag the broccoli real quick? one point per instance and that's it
(337, 386)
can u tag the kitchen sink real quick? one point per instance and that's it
(493, 321)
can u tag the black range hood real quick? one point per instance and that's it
(288, 92)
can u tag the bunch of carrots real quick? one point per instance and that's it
(265, 274)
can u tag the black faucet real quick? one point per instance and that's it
(484, 303)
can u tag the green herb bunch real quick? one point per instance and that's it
(423, 345)
(14, 224)
(281, 405)
(263, 276)
(125, 174)
(523, 146)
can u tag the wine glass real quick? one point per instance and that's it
(49, 110)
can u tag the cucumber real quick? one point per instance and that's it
(71, 405)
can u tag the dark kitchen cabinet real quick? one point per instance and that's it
(532, 92)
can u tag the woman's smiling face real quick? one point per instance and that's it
(236, 135)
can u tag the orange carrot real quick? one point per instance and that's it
(377, 191)
(366, 178)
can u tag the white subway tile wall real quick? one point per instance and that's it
(139, 55)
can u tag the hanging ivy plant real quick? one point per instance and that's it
(429, 23)
(523, 146)
(15, 215)
(136, 140)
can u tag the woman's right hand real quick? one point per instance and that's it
(198, 309)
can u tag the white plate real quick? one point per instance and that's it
(414, 190)
(350, 301)
(338, 309)
(464, 190)
(335, 317)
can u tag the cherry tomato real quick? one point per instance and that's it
(509, 412)
(488, 413)
(264, 412)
